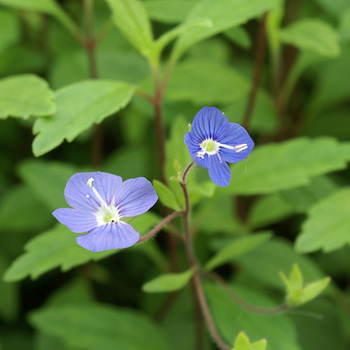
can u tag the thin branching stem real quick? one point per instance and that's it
(199, 299)
(160, 225)
(243, 303)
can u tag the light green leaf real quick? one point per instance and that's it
(166, 196)
(47, 180)
(97, 326)
(312, 34)
(24, 96)
(242, 342)
(169, 11)
(168, 283)
(49, 250)
(230, 13)
(79, 106)
(313, 289)
(237, 248)
(188, 83)
(328, 224)
(131, 18)
(10, 29)
(297, 293)
(279, 166)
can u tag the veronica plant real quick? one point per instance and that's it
(213, 141)
(99, 202)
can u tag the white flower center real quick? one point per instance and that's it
(105, 213)
(210, 147)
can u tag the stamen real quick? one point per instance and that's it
(98, 196)
(241, 147)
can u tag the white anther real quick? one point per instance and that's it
(87, 196)
(90, 182)
(241, 147)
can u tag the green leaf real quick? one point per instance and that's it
(328, 224)
(10, 29)
(47, 180)
(166, 196)
(230, 13)
(25, 95)
(237, 248)
(79, 106)
(344, 25)
(169, 11)
(47, 6)
(9, 295)
(272, 257)
(269, 209)
(58, 248)
(302, 198)
(22, 201)
(131, 18)
(242, 342)
(49, 250)
(313, 289)
(312, 34)
(297, 293)
(239, 36)
(229, 316)
(176, 32)
(168, 283)
(99, 327)
(279, 166)
(188, 83)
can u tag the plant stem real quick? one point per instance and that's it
(243, 303)
(200, 302)
(160, 225)
(259, 60)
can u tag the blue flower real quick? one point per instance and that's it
(99, 202)
(214, 141)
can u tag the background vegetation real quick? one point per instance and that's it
(120, 80)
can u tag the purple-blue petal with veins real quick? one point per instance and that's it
(77, 221)
(193, 149)
(77, 189)
(209, 122)
(219, 172)
(110, 236)
(135, 197)
(236, 135)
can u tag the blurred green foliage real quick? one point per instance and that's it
(80, 83)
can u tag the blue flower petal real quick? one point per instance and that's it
(236, 135)
(209, 122)
(109, 236)
(219, 172)
(135, 197)
(77, 189)
(76, 220)
(193, 148)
